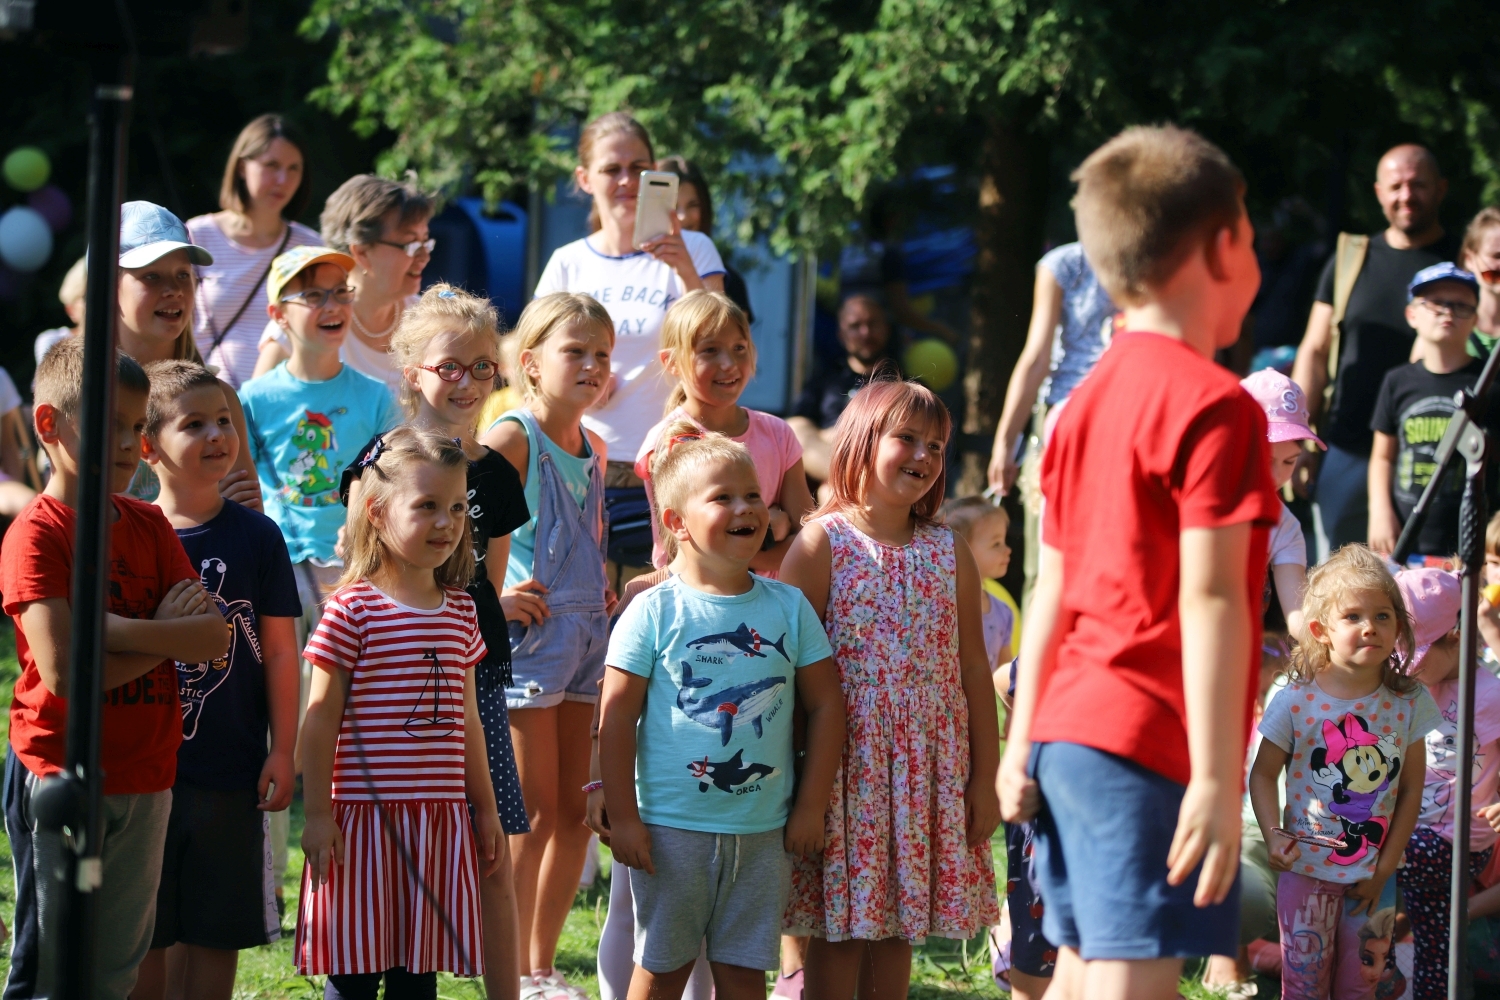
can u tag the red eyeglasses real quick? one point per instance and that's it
(451, 371)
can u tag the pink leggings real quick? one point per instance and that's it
(1325, 952)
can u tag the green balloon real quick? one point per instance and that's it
(27, 168)
(933, 362)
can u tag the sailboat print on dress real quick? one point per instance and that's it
(429, 718)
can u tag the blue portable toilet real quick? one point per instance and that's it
(483, 252)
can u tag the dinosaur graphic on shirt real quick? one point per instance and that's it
(310, 476)
(743, 641)
(732, 707)
(729, 775)
(196, 681)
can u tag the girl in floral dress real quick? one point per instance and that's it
(913, 806)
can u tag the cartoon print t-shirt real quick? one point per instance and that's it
(242, 561)
(1437, 794)
(1346, 759)
(714, 744)
(302, 435)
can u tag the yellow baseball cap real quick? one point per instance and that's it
(298, 259)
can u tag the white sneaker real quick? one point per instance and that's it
(550, 987)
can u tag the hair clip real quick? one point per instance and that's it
(375, 452)
(447, 293)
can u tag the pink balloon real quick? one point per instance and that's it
(52, 204)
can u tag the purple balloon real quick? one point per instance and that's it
(52, 204)
(10, 283)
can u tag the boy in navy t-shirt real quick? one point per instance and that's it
(217, 890)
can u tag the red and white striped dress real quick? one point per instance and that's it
(398, 792)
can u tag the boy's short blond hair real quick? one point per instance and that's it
(1143, 200)
(964, 514)
(171, 380)
(59, 378)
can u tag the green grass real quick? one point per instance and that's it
(941, 970)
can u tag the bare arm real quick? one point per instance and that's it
(1026, 378)
(1046, 624)
(278, 640)
(816, 450)
(980, 797)
(1385, 523)
(1214, 606)
(477, 785)
(322, 841)
(623, 698)
(821, 698)
(796, 500)
(1291, 584)
(193, 639)
(808, 566)
(1310, 370)
(48, 625)
(1265, 799)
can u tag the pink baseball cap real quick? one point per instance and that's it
(1284, 404)
(1433, 597)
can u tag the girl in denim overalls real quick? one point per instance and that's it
(558, 602)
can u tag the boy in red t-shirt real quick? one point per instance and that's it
(1127, 739)
(158, 612)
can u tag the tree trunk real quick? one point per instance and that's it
(1012, 207)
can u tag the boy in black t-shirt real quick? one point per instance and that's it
(217, 895)
(1413, 408)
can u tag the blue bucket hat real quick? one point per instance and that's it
(1446, 271)
(149, 232)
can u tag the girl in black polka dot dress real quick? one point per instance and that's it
(448, 347)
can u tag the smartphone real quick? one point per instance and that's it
(655, 206)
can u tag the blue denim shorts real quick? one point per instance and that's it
(558, 659)
(1102, 837)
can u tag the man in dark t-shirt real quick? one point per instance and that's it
(865, 334)
(1374, 336)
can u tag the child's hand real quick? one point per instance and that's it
(1019, 796)
(611, 601)
(1282, 852)
(241, 487)
(523, 603)
(596, 818)
(323, 846)
(487, 834)
(277, 771)
(981, 811)
(1208, 831)
(630, 843)
(781, 523)
(804, 832)
(185, 599)
(1366, 895)
(1491, 815)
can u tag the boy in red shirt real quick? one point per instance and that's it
(158, 612)
(1133, 696)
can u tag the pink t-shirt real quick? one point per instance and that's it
(772, 444)
(1442, 771)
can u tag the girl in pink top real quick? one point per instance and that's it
(706, 346)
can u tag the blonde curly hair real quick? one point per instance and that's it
(1353, 567)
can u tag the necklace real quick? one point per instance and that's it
(370, 334)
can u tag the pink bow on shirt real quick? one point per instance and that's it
(1340, 739)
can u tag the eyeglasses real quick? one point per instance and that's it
(315, 298)
(413, 248)
(1458, 310)
(451, 371)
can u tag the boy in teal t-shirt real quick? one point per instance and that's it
(695, 734)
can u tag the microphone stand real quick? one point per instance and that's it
(1464, 437)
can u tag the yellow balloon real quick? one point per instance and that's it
(933, 362)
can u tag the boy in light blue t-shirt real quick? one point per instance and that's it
(695, 735)
(309, 416)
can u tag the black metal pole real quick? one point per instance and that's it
(1473, 446)
(71, 803)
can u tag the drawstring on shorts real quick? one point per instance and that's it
(735, 874)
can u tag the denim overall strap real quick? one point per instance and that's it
(569, 558)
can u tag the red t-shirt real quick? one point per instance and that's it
(142, 723)
(1155, 440)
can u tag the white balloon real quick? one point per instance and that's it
(25, 239)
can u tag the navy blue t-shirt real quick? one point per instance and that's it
(243, 561)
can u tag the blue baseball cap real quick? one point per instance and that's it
(149, 232)
(1446, 271)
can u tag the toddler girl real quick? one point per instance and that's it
(446, 347)
(706, 346)
(392, 744)
(1433, 600)
(558, 635)
(1348, 730)
(913, 805)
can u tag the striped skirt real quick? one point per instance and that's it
(372, 914)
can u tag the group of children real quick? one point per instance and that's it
(794, 720)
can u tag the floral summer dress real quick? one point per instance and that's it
(896, 865)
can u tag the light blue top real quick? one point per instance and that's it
(302, 435)
(1086, 307)
(714, 743)
(575, 476)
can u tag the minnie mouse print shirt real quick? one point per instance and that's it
(1345, 767)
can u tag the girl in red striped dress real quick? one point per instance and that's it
(392, 743)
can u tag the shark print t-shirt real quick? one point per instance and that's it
(302, 435)
(242, 561)
(714, 744)
(1345, 767)
(1437, 794)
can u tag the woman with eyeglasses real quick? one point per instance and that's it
(266, 186)
(1481, 257)
(382, 224)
